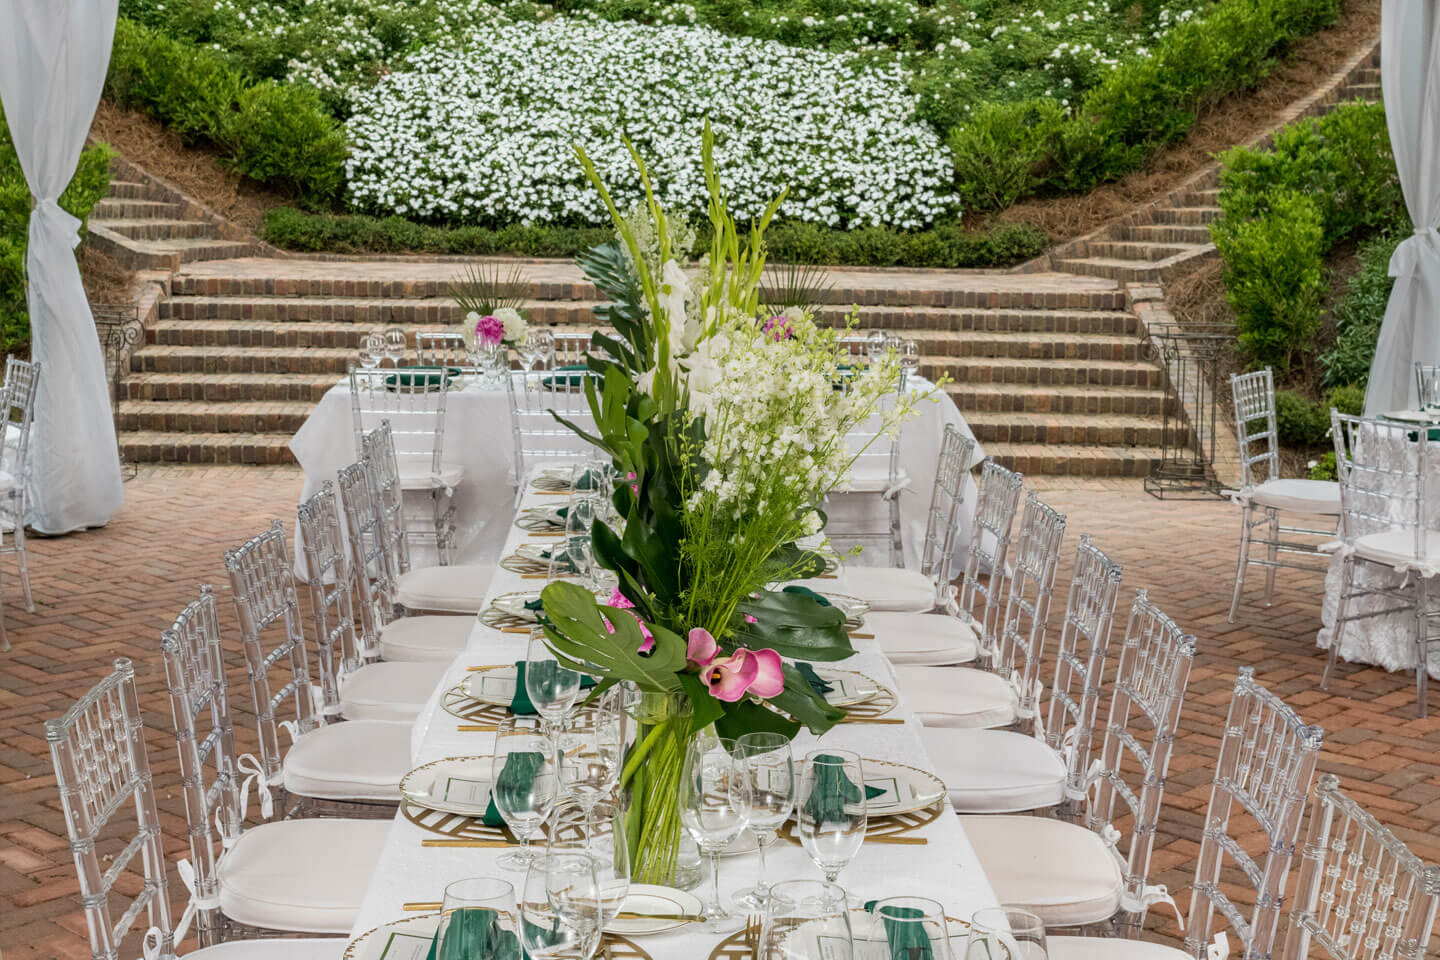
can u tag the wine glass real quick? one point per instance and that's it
(764, 790)
(397, 341)
(875, 344)
(542, 342)
(909, 359)
(805, 919)
(708, 813)
(578, 520)
(592, 754)
(560, 907)
(529, 350)
(830, 809)
(372, 351)
(478, 921)
(551, 687)
(525, 774)
(1427, 380)
(908, 927)
(579, 830)
(1019, 932)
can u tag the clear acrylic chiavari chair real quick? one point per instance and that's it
(1004, 771)
(1389, 535)
(378, 455)
(442, 349)
(413, 403)
(1362, 895)
(540, 440)
(876, 470)
(1263, 493)
(358, 762)
(1011, 694)
(22, 381)
(234, 890)
(983, 603)
(1100, 888)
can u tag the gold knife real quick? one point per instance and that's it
(468, 843)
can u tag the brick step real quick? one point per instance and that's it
(1186, 216)
(1035, 459)
(128, 190)
(1124, 271)
(199, 416)
(1204, 198)
(267, 333)
(1366, 75)
(1052, 373)
(1009, 397)
(1141, 250)
(154, 446)
(267, 360)
(111, 208)
(152, 229)
(162, 254)
(1080, 429)
(1369, 92)
(938, 345)
(226, 387)
(1166, 233)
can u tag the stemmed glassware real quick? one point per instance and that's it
(540, 346)
(805, 919)
(876, 342)
(372, 351)
(709, 813)
(561, 913)
(1427, 379)
(602, 838)
(593, 750)
(525, 782)
(551, 687)
(830, 809)
(397, 341)
(578, 520)
(764, 790)
(1006, 931)
(909, 360)
(478, 921)
(910, 927)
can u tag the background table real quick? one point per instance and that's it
(945, 868)
(478, 436)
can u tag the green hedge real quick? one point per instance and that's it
(946, 246)
(1301, 422)
(91, 182)
(277, 133)
(1361, 308)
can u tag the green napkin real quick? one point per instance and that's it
(573, 380)
(819, 684)
(806, 592)
(535, 606)
(907, 941)
(833, 790)
(587, 481)
(474, 934)
(520, 704)
(418, 377)
(514, 782)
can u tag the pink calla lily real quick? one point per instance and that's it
(729, 677)
(769, 677)
(701, 648)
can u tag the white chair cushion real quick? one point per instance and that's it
(1397, 548)
(886, 589)
(924, 639)
(956, 696)
(311, 948)
(389, 691)
(414, 478)
(1110, 948)
(995, 771)
(354, 760)
(433, 638)
(453, 589)
(1059, 871)
(308, 876)
(1321, 497)
(870, 478)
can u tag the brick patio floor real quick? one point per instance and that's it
(108, 593)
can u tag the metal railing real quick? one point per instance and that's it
(1192, 356)
(120, 331)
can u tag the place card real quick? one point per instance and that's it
(406, 946)
(471, 793)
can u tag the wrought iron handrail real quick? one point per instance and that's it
(1191, 355)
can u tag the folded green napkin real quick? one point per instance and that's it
(513, 784)
(419, 377)
(573, 380)
(806, 592)
(819, 684)
(833, 790)
(907, 941)
(475, 934)
(587, 481)
(535, 606)
(520, 704)
(562, 555)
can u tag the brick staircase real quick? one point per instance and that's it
(1048, 368)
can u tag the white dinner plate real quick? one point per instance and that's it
(407, 939)
(459, 785)
(1413, 416)
(870, 941)
(853, 607)
(649, 898)
(496, 685)
(907, 789)
(545, 514)
(514, 604)
(850, 686)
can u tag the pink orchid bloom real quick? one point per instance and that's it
(744, 671)
(701, 648)
(619, 600)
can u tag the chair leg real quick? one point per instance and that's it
(4, 635)
(1422, 647)
(897, 546)
(1347, 576)
(1241, 563)
(1272, 551)
(437, 496)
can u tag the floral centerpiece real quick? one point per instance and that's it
(491, 302)
(731, 429)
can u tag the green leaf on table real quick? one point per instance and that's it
(792, 624)
(708, 710)
(801, 701)
(577, 634)
(797, 564)
(747, 716)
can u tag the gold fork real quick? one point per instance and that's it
(752, 934)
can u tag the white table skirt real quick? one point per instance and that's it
(945, 868)
(478, 437)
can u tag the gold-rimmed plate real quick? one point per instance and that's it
(905, 789)
(658, 901)
(458, 785)
(850, 687)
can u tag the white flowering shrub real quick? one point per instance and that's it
(485, 132)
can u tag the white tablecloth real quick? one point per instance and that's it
(478, 437)
(945, 868)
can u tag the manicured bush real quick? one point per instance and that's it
(1299, 421)
(997, 153)
(1349, 399)
(1360, 310)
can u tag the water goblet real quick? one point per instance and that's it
(831, 809)
(372, 351)
(996, 930)
(913, 927)
(602, 838)
(525, 779)
(909, 359)
(478, 921)
(397, 342)
(578, 520)
(551, 687)
(876, 343)
(560, 907)
(543, 344)
(803, 920)
(764, 789)
(708, 812)
(593, 751)
(1427, 379)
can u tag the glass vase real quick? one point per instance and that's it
(661, 850)
(494, 364)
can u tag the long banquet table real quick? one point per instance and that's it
(945, 868)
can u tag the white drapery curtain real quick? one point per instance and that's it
(1410, 81)
(53, 58)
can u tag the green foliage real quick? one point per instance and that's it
(277, 133)
(998, 152)
(1349, 399)
(1361, 309)
(1299, 421)
(1274, 277)
(1324, 468)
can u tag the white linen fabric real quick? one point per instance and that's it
(436, 638)
(53, 58)
(1059, 871)
(312, 948)
(1410, 82)
(454, 589)
(1301, 496)
(1110, 948)
(957, 696)
(885, 589)
(355, 760)
(924, 639)
(995, 771)
(389, 691)
(945, 867)
(303, 875)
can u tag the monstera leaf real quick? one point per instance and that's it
(794, 625)
(578, 635)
